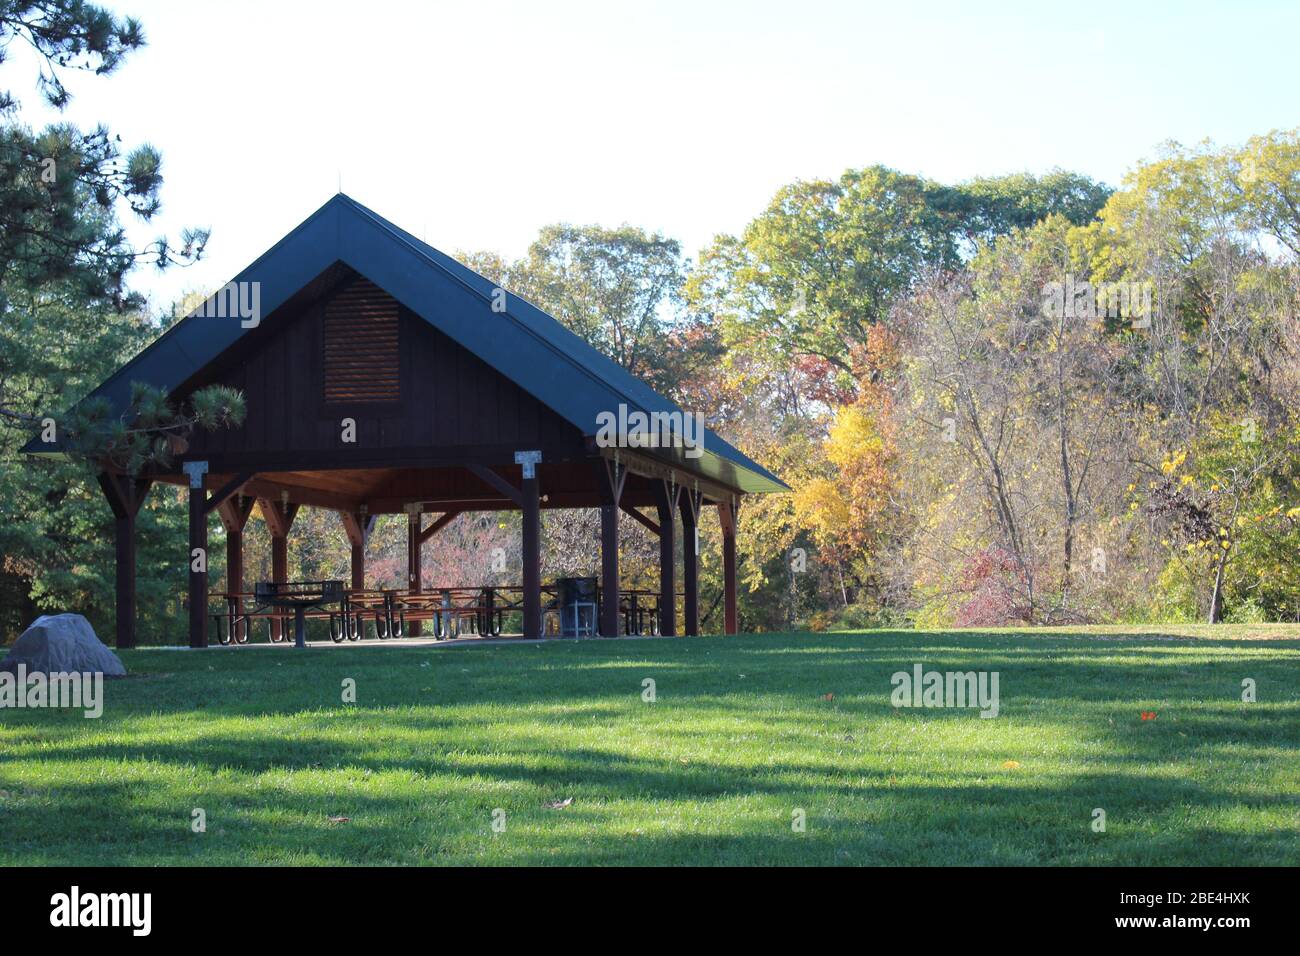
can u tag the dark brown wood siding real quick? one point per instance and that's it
(448, 397)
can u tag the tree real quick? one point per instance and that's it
(827, 260)
(60, 188)
(67, 321)
(1268, 176)
(985, 208)
(619, 289)
(821, 265)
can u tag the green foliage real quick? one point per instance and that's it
(66, 34)
(1268, 175)
(619, 289)
(67, 321)
(988, 207)
(827, 260)
(1176, 598)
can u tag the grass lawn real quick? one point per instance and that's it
(740, 737)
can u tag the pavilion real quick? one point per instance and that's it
(381, 376)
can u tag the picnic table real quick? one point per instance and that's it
(450, 611)
(299, 596)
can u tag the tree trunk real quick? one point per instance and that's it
(1216, 599)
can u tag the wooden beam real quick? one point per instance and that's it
(235, 512)
(278, 518)
(357, 526)
(218, 497)
(414, 457)
(639, 463)
(633, 513)
(298, 495)
(440, 523)
(636, 496)
(554, 500)
(499, 483)
(125, 494)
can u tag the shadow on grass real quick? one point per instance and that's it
(442, 738)
(964, 822)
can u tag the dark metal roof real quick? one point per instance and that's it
(523, 343)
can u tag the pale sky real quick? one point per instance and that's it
(475, 123)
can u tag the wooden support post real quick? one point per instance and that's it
(528, 500)
(124, 529)
(667, 493)
(690, 562)
(198, 553)
(609, 481)
(235, 559)
(279, 519)
(357, 525)
(358, 566)
(279, 575)
(234, 515)
(532, 557)
(125, 496)
(413, 569)
(727, 513)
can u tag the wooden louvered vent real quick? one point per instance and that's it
(362, 360)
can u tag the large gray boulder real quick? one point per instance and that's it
(62, 644)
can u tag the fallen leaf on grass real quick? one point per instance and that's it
(1011, 765)
(559, 804)
(340, 819)
(828, 696)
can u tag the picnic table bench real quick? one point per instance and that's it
(389, 611)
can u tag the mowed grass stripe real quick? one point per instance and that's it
(740, 737)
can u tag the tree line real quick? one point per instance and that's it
(1016, 399)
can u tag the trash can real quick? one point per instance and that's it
(577, 599)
